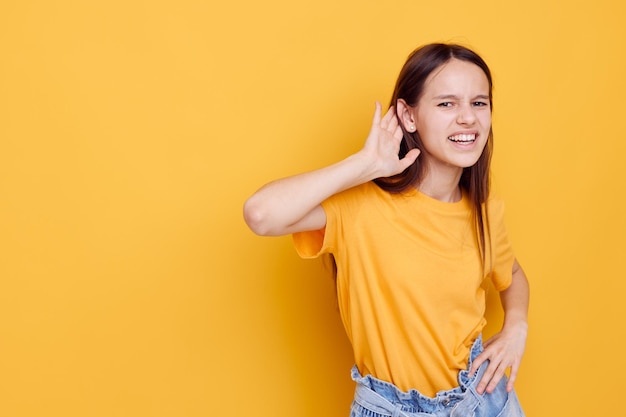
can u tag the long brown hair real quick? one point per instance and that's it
(475, 180)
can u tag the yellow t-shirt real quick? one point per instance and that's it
(410, 283)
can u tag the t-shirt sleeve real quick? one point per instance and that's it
(503, 255)
(313, 243)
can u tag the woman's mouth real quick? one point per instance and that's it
(463, 139)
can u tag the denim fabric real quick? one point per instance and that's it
(376, 398)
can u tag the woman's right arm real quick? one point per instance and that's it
(293, 204)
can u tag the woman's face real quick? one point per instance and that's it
(453, 115)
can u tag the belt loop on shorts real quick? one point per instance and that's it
(369, 396)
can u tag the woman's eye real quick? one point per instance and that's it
(480, 104)
(445, 104)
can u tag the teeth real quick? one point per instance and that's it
(463, 138)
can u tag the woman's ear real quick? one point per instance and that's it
(406, 115)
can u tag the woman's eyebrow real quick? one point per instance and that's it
(445, 97)
(452, 96)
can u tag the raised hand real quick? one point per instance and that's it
(383, 144)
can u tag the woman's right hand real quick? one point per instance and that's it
(383, 145)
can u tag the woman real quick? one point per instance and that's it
(416, 238)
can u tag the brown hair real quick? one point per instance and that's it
(474, 180)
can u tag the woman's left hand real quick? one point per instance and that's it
(503, 351)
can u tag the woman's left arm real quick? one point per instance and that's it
(505, 349)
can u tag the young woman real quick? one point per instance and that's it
(416, 237)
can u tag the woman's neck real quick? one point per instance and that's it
(442, 185)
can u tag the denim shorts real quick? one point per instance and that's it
(376, 398)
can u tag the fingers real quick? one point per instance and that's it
(389, 121)
(478, 361)
(384, 141)
(377, 112)
(392, 124)
(487, 342)
(512, 378)
(409, 158)
(495, 371)
(492, 376)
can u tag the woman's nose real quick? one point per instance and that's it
(466, 115)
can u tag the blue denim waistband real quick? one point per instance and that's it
(412, 402)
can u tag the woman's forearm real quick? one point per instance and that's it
(515, 300)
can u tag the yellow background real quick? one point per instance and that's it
(131, 133)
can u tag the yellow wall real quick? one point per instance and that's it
(131, 132)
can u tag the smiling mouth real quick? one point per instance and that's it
(463, 138)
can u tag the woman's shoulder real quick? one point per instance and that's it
(354, 199)
(495, 199)
(366, 190)
(495, 206)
